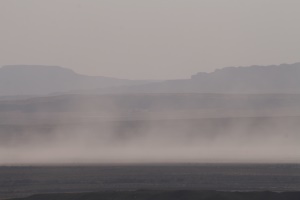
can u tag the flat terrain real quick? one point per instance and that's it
(170, 195)
(26, 181)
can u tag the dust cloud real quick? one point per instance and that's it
(206, 140)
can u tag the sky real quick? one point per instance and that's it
(149, 39)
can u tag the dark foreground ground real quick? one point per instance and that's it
(169, 195)
(20, 182)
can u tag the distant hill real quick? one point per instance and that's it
(27, 80)
(284, 78)
(43, 80)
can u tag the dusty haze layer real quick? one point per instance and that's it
(167, 128)
(149, 39)
(155, 145)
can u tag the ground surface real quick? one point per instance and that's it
(170, 195)
(25, 181)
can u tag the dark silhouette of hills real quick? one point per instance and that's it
(282, 78)
(43, 80)
(255, 79)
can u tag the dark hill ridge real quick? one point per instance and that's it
(43, 80)
(253, 79)
(169, 195)
(282, 78)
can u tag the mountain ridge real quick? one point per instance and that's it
(44, 80)
(255, 79)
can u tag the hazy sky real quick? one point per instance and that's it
(149, 39)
